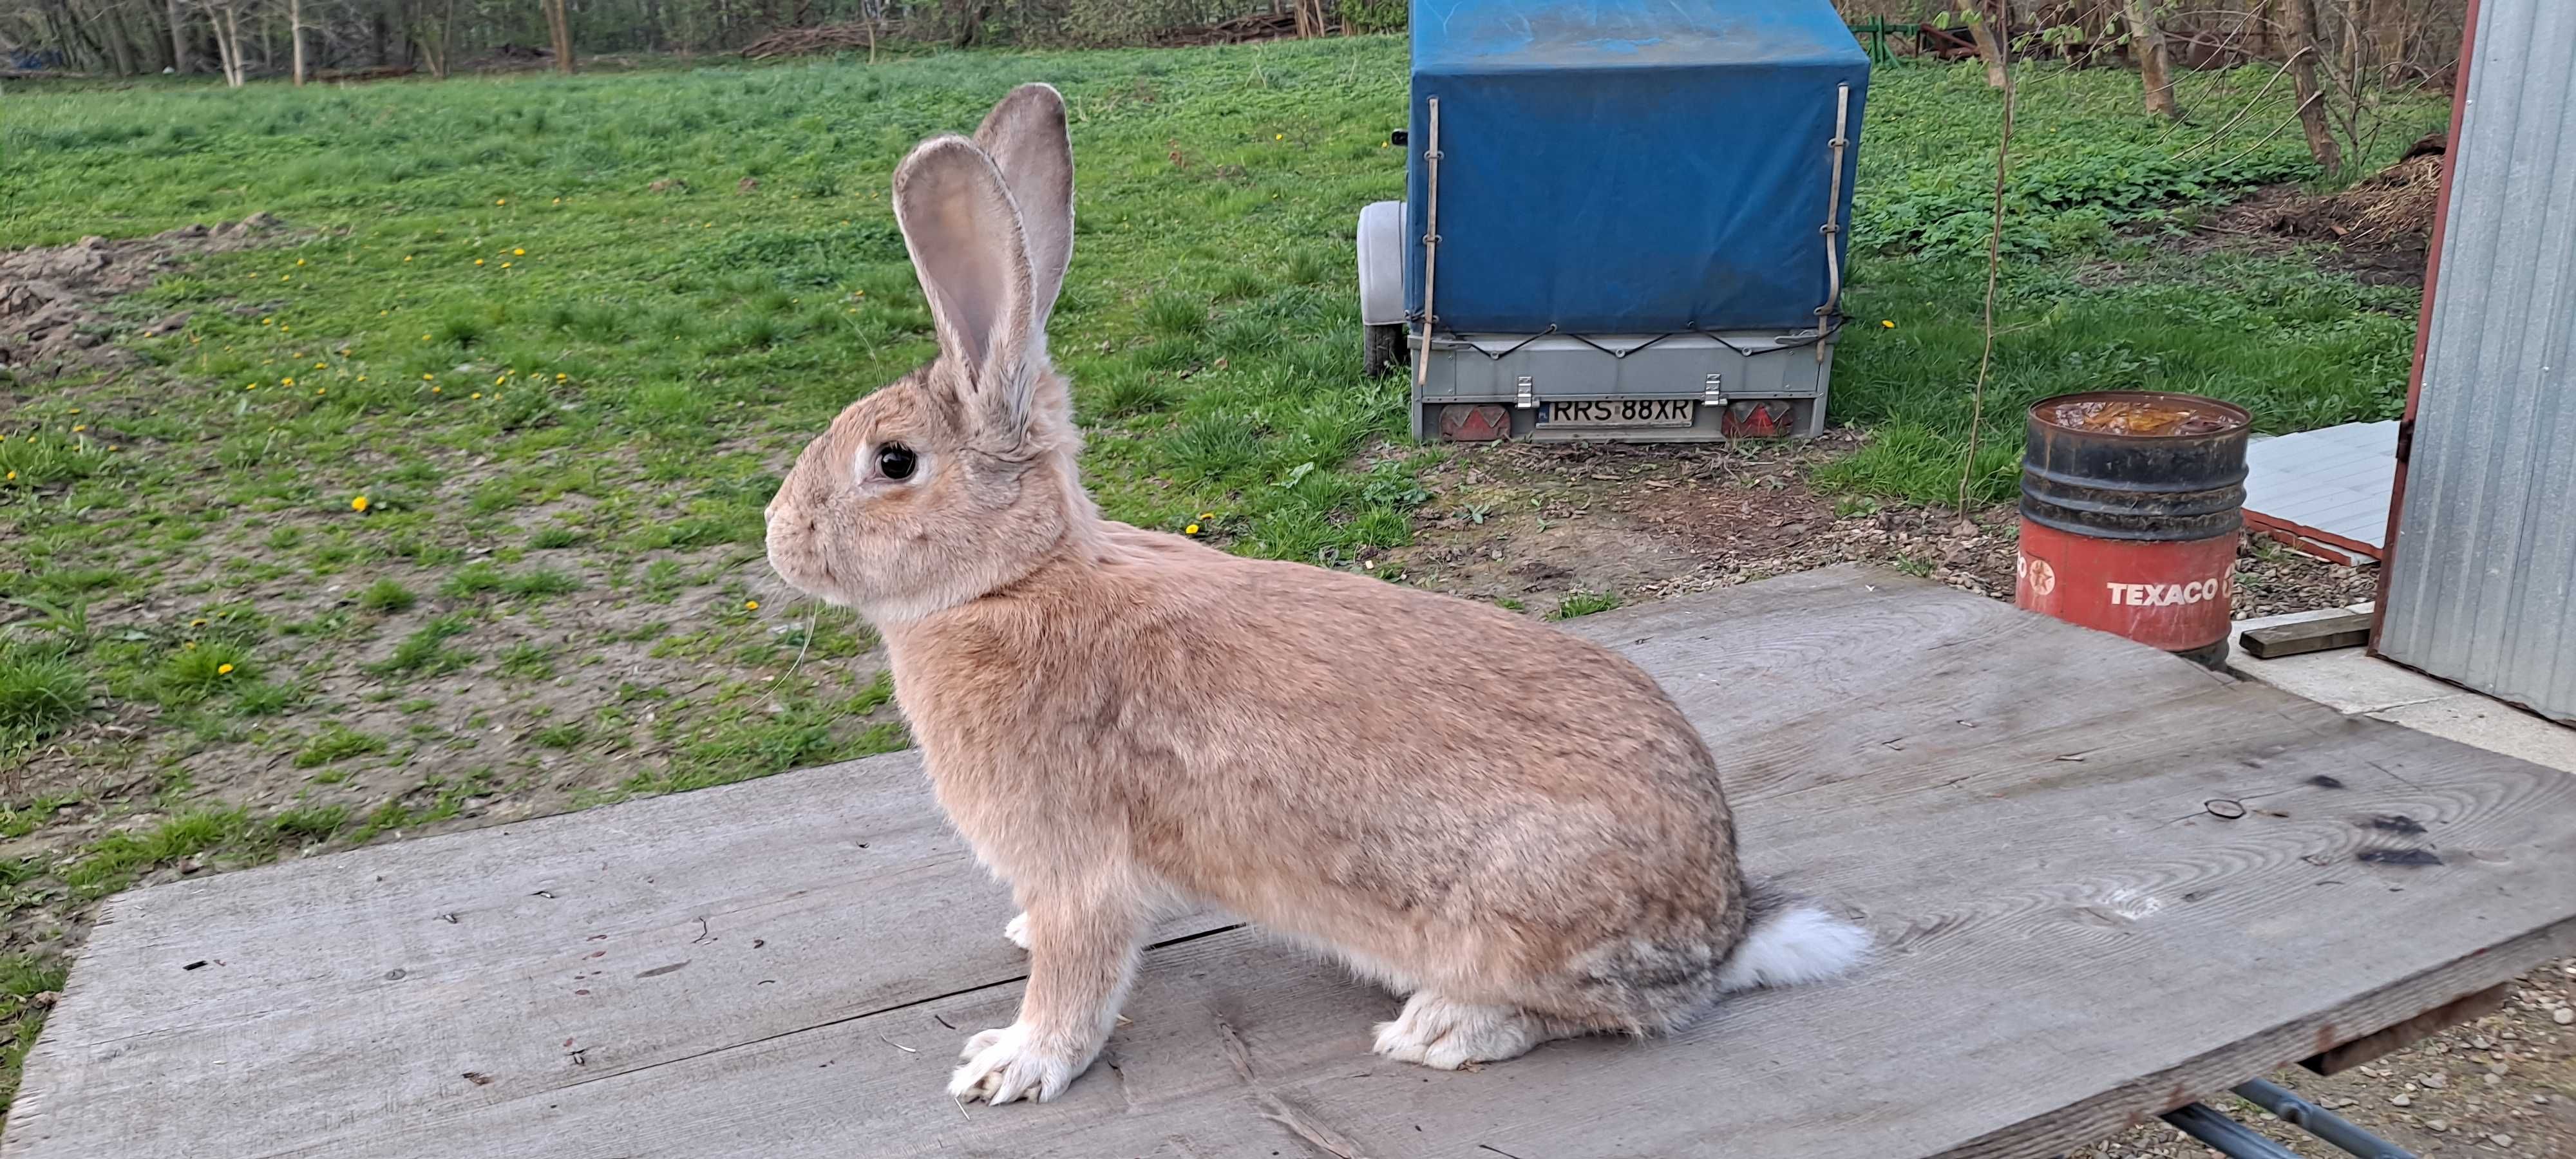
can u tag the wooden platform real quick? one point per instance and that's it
(2107, 883)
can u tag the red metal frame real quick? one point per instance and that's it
(2424, 319)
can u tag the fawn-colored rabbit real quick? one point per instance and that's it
(1512, 826)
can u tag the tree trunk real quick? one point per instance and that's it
(119, 55)
(447, 43)
(2155, 64)
(180, 58)
(2299, 39)
(295, 28)
(1990, 41)
(559, 23)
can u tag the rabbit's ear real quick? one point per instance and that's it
(1027, 138)
(964, 234)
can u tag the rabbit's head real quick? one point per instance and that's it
(959, 478)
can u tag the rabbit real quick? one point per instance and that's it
(1514, 828)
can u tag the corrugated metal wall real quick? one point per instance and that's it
(2482, 586)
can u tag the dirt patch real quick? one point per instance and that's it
(1532, 525)
(2381, 228)
(53, 317)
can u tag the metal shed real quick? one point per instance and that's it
(2480, 584)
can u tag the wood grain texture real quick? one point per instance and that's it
(2106, 883)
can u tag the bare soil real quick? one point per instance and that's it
(53, 302)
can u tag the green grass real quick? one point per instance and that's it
(1584, 604)
(41, 691)
(337, 743)
(387, 595)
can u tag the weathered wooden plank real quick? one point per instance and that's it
(2398, 1036)
(2351, 630)
(2076, 937)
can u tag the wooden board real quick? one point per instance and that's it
(2107, 883)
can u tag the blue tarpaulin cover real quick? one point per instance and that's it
(1625, 166)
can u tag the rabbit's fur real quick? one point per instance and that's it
(1513, 826)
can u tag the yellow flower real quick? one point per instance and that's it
(196, 623)
(1192, 529)
(751, 605)
(406, 257)
(1278, 136)
(223, 669)
(478, 261)
(518, 253)
(253, 386)
(114, 447)
(321, 390)
(559, 378)
(424, 337)
(299, 261)
(189, 646)
(436, 389)
(500, 201)
(78, 429)
(13, 476)
(427, 377)
(268, 321)
(285, 277)
(499, 379)
(1889, 323)
(358, 504)
(478, 394)
(320, 365)
(288, 382)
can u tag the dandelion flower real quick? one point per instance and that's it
(406, 257)
(1192, 529)
(505, 265)
(1278, 136)
(478, 261)
(499, 379)
(285, 277)
(190, 646)
(114, 447)
(516, 253)
(223, 669)
(751, 605)
(427, 377)
(196, 623)
(78, 429)
(1888, 323)
(559, 378)
(268, 321)
(288, 382)
(500, 201)
(320, 365)
(299, 261)
(478, 394)
(13, 476)
(424, 337)
(253, 386)
(358, 504)
(438, 390)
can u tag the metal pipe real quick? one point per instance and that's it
(2318, 1121)
(1430, 247)
(2225, 1135)
(1833, 215)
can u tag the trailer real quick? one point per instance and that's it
(1623, 221)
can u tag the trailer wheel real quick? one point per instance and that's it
(1382, 349)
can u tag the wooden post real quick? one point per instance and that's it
(2155, 64)
(295, 28)
(2299, 38)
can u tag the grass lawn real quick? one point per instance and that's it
(444, 507)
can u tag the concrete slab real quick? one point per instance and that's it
(2356, 683)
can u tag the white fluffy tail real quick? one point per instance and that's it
(1789, 943)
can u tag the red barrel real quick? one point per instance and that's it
(2131, 506)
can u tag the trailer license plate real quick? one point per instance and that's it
(1631, 412)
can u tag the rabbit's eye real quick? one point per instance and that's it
(896, 461)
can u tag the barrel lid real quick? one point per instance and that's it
(2139, 414)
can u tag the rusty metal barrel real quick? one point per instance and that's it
(2132, 503)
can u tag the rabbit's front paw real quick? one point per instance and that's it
(1008, 1063)
(1017, 931)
